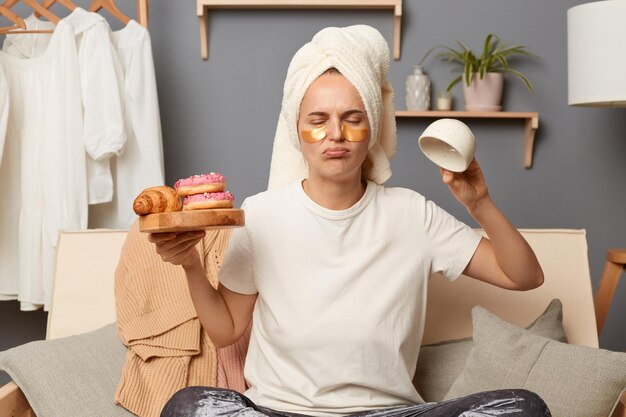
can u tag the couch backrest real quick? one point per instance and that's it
(83, 297)
(564, 260)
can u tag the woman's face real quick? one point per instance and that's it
(332, 100)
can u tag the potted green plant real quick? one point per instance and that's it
(482, 75)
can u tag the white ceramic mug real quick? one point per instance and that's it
(449, 143)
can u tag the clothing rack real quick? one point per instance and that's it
(42, 9)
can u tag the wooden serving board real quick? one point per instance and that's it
(184, 221)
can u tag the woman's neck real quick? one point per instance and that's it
(333, 194)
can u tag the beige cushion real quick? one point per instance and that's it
(74, 376)
(440, 364)
(82, 296)
(563, 257)
(574, 381)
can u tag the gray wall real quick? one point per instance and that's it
(221, 115)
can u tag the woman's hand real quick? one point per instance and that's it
(468, 187)
(177, 248)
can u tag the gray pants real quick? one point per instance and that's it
(219, 402)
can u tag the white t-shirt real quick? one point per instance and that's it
(341, 301)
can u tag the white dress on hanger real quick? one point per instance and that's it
(141, 164)
(4, 110)
(102, 104)
(29, 45)
(42, 173)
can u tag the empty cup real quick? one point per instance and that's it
(449, 143)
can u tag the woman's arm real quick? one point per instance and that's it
(505, 259)
(224, 314)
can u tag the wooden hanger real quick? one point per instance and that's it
(21, 28)
(38, 8)
(108, 5)
(69, 4)
(42, 10)
(96, 5)
(13, 17)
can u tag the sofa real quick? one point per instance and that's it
(83, 301)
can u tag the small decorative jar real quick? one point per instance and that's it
(417, 90)
(444, 100)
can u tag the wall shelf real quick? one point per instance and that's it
(531, 123)
(203, 7)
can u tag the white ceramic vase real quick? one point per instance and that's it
(417, 90)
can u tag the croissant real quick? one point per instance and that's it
(157, 200)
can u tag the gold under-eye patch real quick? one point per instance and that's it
(349, 133)
(352, 134)
(314, 135)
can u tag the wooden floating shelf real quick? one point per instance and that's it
(203, 7)
(531, 123)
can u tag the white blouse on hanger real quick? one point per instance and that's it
(102, 104)
(141, 164)
(42, 173)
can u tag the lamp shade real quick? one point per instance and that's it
(596, 54)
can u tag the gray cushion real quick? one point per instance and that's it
(74, 376)
(440, 364)
(575, 381)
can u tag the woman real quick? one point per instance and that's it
(332, 267)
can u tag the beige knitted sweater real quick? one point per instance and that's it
(167, 348)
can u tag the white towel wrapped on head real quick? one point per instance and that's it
(361, 54)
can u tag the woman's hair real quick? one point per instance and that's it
(332, 70)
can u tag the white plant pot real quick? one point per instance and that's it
(484, 94)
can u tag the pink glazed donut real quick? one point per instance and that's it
(209, 201)
(199, 184)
